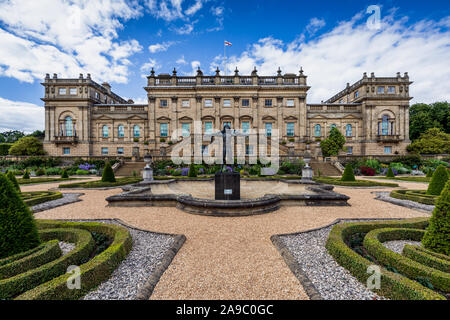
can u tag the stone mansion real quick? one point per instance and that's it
(86, 119)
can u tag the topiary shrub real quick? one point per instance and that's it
(108, 173)
(26, 175)
(10, 175)
(192, 171)
(18, 230)
(390, 173)
(64, 174)
(440, 178)
(437, 235)
(430, 173)
(348, 174)
(40, 172)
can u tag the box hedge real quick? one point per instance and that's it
(419, 196)
(437, 184)
(414, 253)
(348, 174)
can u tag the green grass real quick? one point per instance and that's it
(412, 179)
(42, 180)
(357, 183)
(101, 184)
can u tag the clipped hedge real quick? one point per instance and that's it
(33, 198)
(20, 283)
(356, 183)
(437, 184)
(412, 269)
(94, 272)
(49, 252)
(393, 286)
(348, 174)
(101, 184)
(414, 195)
(425, 258)
(21, 254)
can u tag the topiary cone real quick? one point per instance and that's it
(440, 178)
(26, 175)
(64, 174)
(108, 173)
(390, 173)
(10, 175)
(348, 174)
(437, 235)
(192, 171)
(18, 231)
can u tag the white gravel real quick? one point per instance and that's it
(147, 251)
(331, 280)
(66, 247)
(398, 245)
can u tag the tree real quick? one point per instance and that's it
(27, 146)
(11, 136)
(440, 178)
(348, 174)
(10, 175)
(426, 116)
(108, 173)
(18, 231)
(37, 134)
(437, 235)
(432, 141)
(333, 144)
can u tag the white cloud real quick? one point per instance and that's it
(344, 53)
(68, 37)
(195, 65)
(186, 29)
(160, 47)
(21, 116)
(181, 60)
(167, 10)
(146, 67)
(195, 7)
(315, 25)
(218, 12)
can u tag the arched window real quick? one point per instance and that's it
(317, 130)
(69, 126)
(348, 130)
(136, 131)
(120, 131)
(385, 125)
(105, 131)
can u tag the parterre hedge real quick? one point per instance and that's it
(414, 253)
(393, 285)
(410, 268)
(356, 183)
(33, 198)
(414, 195)
(101, 184)
(21, 254)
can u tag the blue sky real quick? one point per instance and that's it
(120, 40)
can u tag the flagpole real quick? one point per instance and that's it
(224, 58)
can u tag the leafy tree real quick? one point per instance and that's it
(426, 116)
(10, 175)
(108, 173)
(11, 136)
(440, 178)
(27, 146)
(333, 144)
(432, 141)
(40, 134)
(348, 174)
(18, 231)
(437, 235)
(4, 148)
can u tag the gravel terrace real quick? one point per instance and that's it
(229, 258)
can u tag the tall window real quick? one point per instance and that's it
(186, 129)
(356, 94)
(380, 89)
(163, 103)
(105, 131)
(136, 131)
(121, 131)
(69, 126)
(391, 89)
(317, 130)
(348, 130)
(268, 102)
(268, 126)
(62, 91)
(385, 125)
(208, 127)
(163, 127)
(290, 129)
(245, 102)
(245, 126)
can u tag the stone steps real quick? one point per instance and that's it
(126, 170)
(326, 169)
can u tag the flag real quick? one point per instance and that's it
(228, 43)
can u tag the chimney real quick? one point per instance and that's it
(81, 76)
(372, 74)
(55, 76)
(47, 76)
(107, 86)
(89, 76)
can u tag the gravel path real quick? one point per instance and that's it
(397, 245)
(67, 198)
(230, 258)
(148, 250)
(332, 281)
(66, 247)
(384, 196)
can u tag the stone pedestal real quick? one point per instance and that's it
(227, 186)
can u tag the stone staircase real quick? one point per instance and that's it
(326, 169)
(127, 168)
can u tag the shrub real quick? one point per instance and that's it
(27, 146)
(348, 173)
(26, 175)
(430, 173)
(437, 235)
(432, 141)
(18, 230)
(390, 173)
(40, 172)
(10, 175)
(82, 172)
(108, 173)
(4, 148)
(367, 171)
(440, 178)
(192, 171)
(53, 171)
(64, 174)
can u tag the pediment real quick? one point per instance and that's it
(268, 118)
(163, 118)
(290, 118)
(185, 118)
(135, 117)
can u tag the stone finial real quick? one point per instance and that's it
(372, 74)
(348, 85)
(301, 71)
(254, 72)
(365, 75)
(406, 75)
(81, 76)
(89, 76)
(398, 75)
(47, 76)
(55, 76)
(199, 72)
(130, 101)
(152, 72)
(217, 71)
(279, 72)
(174, 72)
(236, 72)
